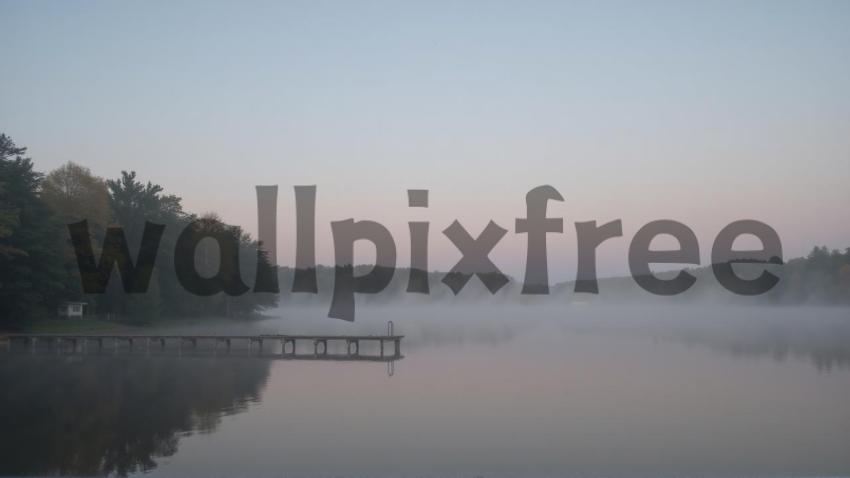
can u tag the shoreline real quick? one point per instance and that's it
(99, 325)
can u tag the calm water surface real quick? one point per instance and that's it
(516, 391)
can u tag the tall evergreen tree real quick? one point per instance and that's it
(30, 259)
(132, 203)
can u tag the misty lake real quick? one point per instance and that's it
(480, 391)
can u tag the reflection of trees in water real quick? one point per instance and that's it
(825, 343)
(826, 349)
(824, 355)
(103, 415)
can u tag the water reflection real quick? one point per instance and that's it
(89, 415)
(522, 391)
(819, 336)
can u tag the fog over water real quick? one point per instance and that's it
(522, 390)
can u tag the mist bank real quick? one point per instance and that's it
(816, 335)
(821, 278)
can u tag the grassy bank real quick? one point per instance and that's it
(73, 326)
(93, 325)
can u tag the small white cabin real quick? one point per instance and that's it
(71, 310)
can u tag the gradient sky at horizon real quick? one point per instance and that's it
(703, 112)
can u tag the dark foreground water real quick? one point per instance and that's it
(516, 391)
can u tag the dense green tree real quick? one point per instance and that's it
(30, 259)
(249, 262)
(132, 203)
(207, 261)
(8, 223)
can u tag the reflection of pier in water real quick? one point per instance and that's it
(389, 346)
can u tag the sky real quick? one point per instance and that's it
(702, 112)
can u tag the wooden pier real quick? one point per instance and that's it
(389, 346)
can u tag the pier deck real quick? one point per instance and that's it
(153, 342)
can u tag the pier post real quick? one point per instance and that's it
(356, 344)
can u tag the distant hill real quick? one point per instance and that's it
(822, 277)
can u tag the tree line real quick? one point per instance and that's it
(38, 265)
(39, 270)
(820, 278)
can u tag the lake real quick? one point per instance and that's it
(480, 391)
